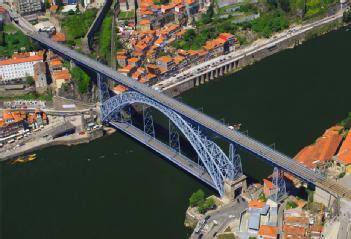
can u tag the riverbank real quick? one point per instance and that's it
(41, 143)
(260, 49)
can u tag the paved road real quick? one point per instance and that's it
(249, 144)
(223, 216)
(208, 66)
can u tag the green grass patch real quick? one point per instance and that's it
(125, 15)
(81, 78)
(104, 49)
(15, 41)
(77, 25)
(10, 28)
(268, 24)
(31, 96)
(226, 236)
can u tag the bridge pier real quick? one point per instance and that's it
(234, 188)
(202, 81)
(221, 71)
(230, 67)
(207, 77)
(197, 80)
(211, 75)
(225, 69)
(215, 73)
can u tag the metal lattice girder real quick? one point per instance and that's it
(279, 188)
(217, 164)
(173, 134)
(149, 128)
(103, 88)
(234, 157)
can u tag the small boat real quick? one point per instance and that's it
(25, 159)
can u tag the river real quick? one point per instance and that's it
(116, 188)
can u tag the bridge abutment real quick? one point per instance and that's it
(324, 197)
(234, 188)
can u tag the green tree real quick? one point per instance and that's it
(47, 4)
(2, 38)
(206, 205)
(290, 204)
(197, 198)
(346, 16)
(30, 80)
(59, 3)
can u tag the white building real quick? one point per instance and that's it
(19, 66)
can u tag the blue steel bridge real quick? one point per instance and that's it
(216, 165)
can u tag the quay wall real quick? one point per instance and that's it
(251, 58)
(65, 140)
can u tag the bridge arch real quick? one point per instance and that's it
(217, 164)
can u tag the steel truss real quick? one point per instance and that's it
(279, 188)
(149, 129)
(173, 135)
(217, 164)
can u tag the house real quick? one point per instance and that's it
(135, 62)
(128, 70)
(294, 231)
(215, 47)
(60, 77)
(153, 69)
(144, 25)
(343, 159)
(19, 65)
(230, 41)
(119, 89)
(10, 123)
(267, 232)
(165, 62)
(323, 150)
(55, 64)
(267, 187)
(121, 60)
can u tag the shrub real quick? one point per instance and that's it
(197, 198)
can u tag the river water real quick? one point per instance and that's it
(116, 188)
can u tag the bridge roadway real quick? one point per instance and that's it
(163, 149)
(249, 144)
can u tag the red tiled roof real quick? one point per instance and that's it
(59, 37)
(344, 154)
(293, 230)
(323, 150)
(16, 60)
(268, 231)
(256, 204)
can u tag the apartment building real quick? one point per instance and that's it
(19, 66)
(27, 7)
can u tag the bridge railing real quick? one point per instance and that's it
(263, 147)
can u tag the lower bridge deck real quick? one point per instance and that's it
(178, 159)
